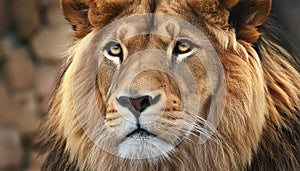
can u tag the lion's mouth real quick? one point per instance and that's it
(140, 133)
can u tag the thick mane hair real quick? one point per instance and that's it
(278, 144)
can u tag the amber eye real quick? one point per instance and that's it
(114, 52)
(182, 47)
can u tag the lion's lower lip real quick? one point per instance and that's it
(141, 133)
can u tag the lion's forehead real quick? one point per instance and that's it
(210, 11)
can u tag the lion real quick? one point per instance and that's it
(141, 90)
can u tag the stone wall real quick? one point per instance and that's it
(33, 36)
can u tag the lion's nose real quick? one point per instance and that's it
(139, 104)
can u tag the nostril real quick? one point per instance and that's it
(145, 103)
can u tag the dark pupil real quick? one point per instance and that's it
(116, 47)
(183, 44)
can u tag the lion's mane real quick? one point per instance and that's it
(261, 123)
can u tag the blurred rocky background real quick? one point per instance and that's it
(33, 37)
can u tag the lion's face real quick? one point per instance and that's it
(167, 80)
(145, 111)
(153, 87)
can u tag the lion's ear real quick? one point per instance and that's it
(247, 15)
(76, 12)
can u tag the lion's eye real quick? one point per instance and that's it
(183, 48)
(114, 52)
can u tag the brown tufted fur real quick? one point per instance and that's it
(260, 127)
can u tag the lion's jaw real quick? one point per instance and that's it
(138, 147)
(139, 140)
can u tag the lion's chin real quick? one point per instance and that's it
(145, 148)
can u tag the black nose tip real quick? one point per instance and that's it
(137, 105)
(141, 103)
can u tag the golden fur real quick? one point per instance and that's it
(259, 129)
